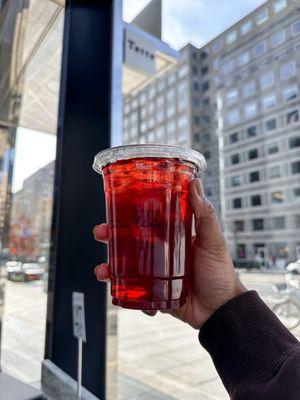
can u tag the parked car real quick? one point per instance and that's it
(24, 272)
(294, 267)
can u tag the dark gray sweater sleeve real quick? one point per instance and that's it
(254, 354)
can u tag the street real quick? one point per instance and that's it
(158, 358)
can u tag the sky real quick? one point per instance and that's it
(194, 21)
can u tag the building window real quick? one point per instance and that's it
(250, 110)
(217, 45)
(279, 223)
(252, 154)
(254, 177)
(234, 137)
(151, 137)
(143, 127)
(249, 89)
(239, 226)
(262, 16)
(292, 117)
(288, 70)
(232, 96)
(204, 70)
(270, 124)
(267, 80)
(183, 71)
(290, 93)
(246, 27)
(183, 122)
(279, 5)
(196, 86)
(296, 27)
(235, 159)
(160, 101)
(194, 70)
(196, 120)
(206, 137)
(243, 58)
(152, 91)
(151, 123)
(228, 67)
(160, 134)
(251, 131)
(297, 221)
(259, 49)
(272, 148)
(233, 117)
(216, 63)
(160, 116)
(204, 54)
(269, 101)
(294, 142)
(237, 203)
(277, 197)
(171, 79)
(205, 86)
(278, 38)
(236, 181)
(274, 172)
(296, 193)
(207, 154)
(256, 200)
(258, 224)
(231, 37)
(295, 166)
(196, 138)
(241, 251)
(151, 107)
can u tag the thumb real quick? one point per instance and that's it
(208, 231)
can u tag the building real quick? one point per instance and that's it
(32, 208)
(236, 99)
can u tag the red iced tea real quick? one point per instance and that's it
(149, 221)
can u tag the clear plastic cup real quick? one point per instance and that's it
(149, 220)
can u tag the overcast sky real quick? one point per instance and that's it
(194, 21)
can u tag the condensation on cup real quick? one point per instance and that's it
(150, 222)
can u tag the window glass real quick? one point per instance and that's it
(182, 121)
(278, 222)
(251, 131)
(297, 221)
(161, 84)
(254, 176)
(290, 92)
(258, 224)
(231, 37)
(216, 63)
(288, 70)
(267, 79)
(277, 197)
(160, 115)
(296, 193)
(249, 89)
(239, 226)
(237, 203)
(227, 67)
(243, 58)
(233, 117)
(294, 142)
(269, 101)
(143, 98)
(217, 46)
(259, 49)
(236, 180)
(235, 159)
(233, 138)
(278, 38)
(232, 96)
(171, 79)
(252, 154)
(279, 5)
(270, 124)
(250, 110)
(160, 134)
(246, 27)
(262, 16)
(274, 171)
(295, 167)
(256, 200)
(296, 27)
(272, 148)
(292, 117)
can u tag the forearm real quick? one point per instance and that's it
(251, 349)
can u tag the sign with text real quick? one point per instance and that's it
(78, 316)
(139, 53)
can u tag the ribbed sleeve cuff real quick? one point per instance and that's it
(246, 340)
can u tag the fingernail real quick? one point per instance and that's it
(199, 187)
(150, 313)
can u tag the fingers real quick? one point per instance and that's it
(208, 230)
(101, 233)
(102, 272)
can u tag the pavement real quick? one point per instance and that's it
(158, 358)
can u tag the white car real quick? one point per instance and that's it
(294, 267)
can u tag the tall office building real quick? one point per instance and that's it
(236, 99)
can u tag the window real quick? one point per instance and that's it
(292, 117)
(259, 49)
(254, 177)
(204, 70)
(204, 54)
(274, 172)
(151, 123)
(171, 79)
(151, 107)
(151, 137)
(160, 134)
(171, 129)
(288, 70)
(143, 127)
(236, 181)
(296, 27)
(249, 89)
(183, 71)
(216, 63)
(235, 159)
(233, 117)
(133, 118)
(206, 137)
(267, 80)
(296, 193)
(256, 200)
(196, 138)
(133, 132)
(142, 139)
(251, 131)
(228, 67)
(246, 27)
(205, 86)
(262, 16)
(234, 137)
(196, 120)
(258, 224)
(196, 86)
(217, 45)
(232, 96)
(269, 101)
(143, 98)
(231, 37)
(297, 221)
(279, 222)
(295, 166)
(252, 154)
(272, 148)
(171, 109)
(239, 226)
(207, 154)
(237, 203)
(160, 115)
(194, 70)
(250, 110)
(270, 124)
(277, 197)
(294, 142)
(290, 92)
(278, 38)
(183, 121)
(241, 251)
(279, 5)
(243, 58)
(152, 91)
